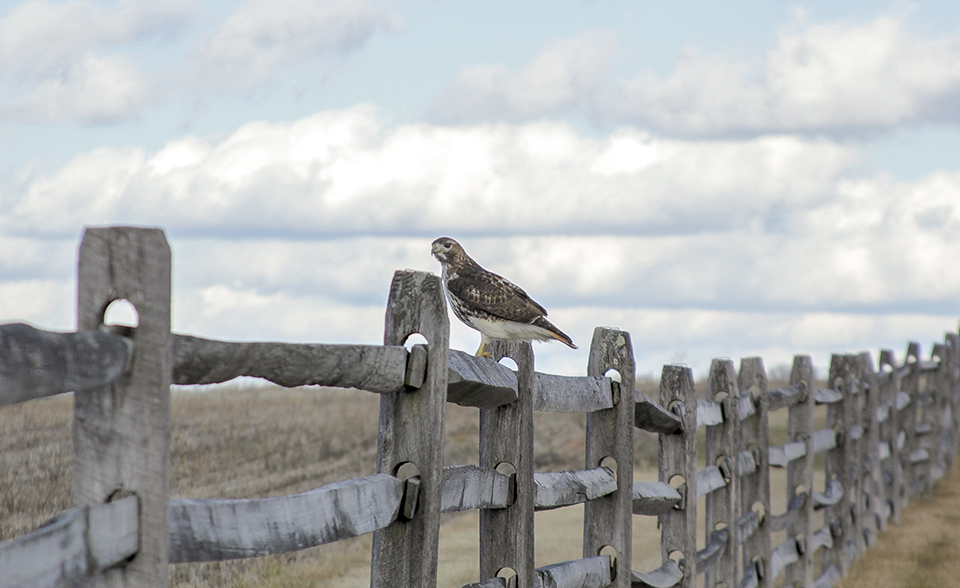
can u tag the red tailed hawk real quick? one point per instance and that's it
(489, 303)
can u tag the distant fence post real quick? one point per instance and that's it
(755, 487)
(952, 395)
(841, 464)
(890, 434)
(908, 418)
(800, 471)
(609, 520)
(411, 431)
(874, 501)
(678, 457)
(506, 437)
(122, 430)
(722, 508)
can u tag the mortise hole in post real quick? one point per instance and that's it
(612, 552)
(613, 375)
(676, 556)
(406, 470)
(415, 339)
(720, 526)
(609, 463)
(506, 468)
(120, 317)
(720, 396)
(799, 489)
(757, 507)
(509, 576)
(509, 362)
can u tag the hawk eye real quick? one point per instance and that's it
(446, 246)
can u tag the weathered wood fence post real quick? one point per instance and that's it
(121, 431)
(412, 431)
(609, 520)
(907, 420)
(722, 506)
(678, 457)
(874, 501)
(890, 434)
(841, 464)
(506, 440)
(755, 487)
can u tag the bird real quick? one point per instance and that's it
(490, 303)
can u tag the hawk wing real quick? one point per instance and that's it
(494, 294)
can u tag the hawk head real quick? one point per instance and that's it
(449, 252)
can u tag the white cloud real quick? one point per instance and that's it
(829, 77)
(345, 172)
(561, 77)
(263, 36)
(58, 61)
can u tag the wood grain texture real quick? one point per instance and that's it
(842, 463)
(36, 363)
(412, 431)
(466, 487)
(122, 431)
(786, 396)
(782, 455)
(506, 435)
(709, 413)
(556, 489)
(678, 457)
(874, 491)
(666, 576)
(479, 381)
(722, 506)
(375, 368)
(591, 572)
(572, 393)
(650, 416)
(782, 555)
(755, 486)
(708, 480)
(73, 548)
(800, 472)
(653, 498)
(214, 530)
(789, 517)
(609, 520)
(711, 554)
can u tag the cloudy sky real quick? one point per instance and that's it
(721, 179)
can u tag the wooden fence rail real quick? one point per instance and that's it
(890, 433)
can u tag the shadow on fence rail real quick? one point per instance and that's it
(890, 433)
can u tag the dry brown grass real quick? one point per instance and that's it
(247, 441)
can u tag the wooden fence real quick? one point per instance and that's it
(890, 433)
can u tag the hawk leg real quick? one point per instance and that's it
(481, 351)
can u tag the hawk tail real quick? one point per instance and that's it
(554, 332)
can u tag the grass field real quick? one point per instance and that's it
(247, 441)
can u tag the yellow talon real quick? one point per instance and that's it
(481, 352)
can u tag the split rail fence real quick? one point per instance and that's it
(890, 433)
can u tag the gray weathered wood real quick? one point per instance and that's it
(874, 490)
(822, 537)
(830, 496)
(608, 521)
(755, 487)
(747, 463)
(781, 455)
(556, 489)
(722, 506)
(799, 521)
(412, 431)
(782, 555)
(823, 440)
(889, 384)
(666, 576)
(708, 413)
(73, 547)
(479, 381)
(678, 457)
(747, 525)
(121, 431)
(572, 393)
(789, 517)
(829, 396)
(214, 530)
(829, 578)
(650, 416)
(491, 583)
(787, 396)
(376, 368)
(466, 487)
(708, 480)
(506, 436)
(591, 572)
(36, 363)
(717, 545)
(653, 498)
(842, 461)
